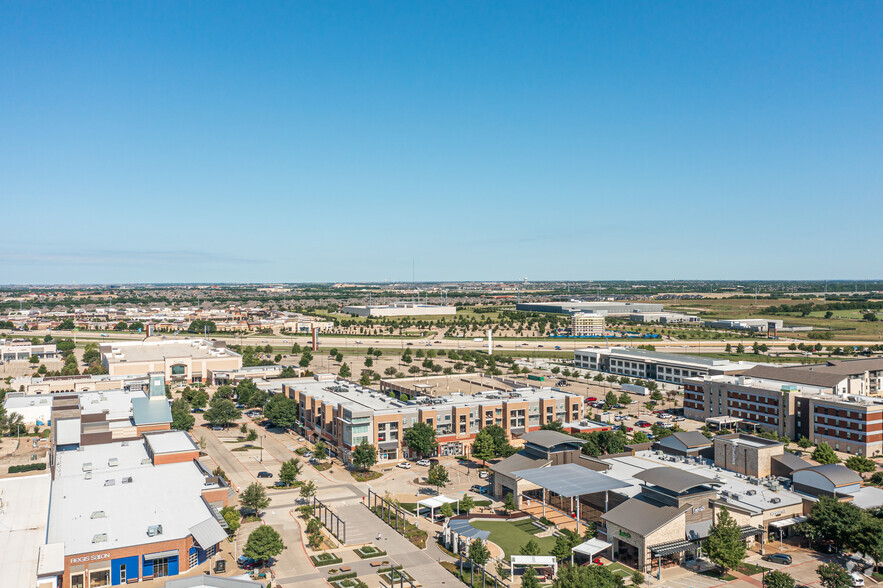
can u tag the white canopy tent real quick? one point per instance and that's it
(533, 560)
(436, 502)
(590, 548)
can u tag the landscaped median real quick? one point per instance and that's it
(325, 559)
(369, 552)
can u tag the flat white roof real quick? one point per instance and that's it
(22, 527)
(737, 490)
(117, 403)
(170, 442)
(167, 495)
(17, 402)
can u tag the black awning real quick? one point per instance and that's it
(672, 547)
(748, 531)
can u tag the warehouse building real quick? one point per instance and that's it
(602, 308)
(400, 309)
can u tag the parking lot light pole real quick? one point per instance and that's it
(262, 449)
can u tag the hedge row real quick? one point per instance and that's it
(26, 468)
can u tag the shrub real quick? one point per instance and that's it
(340, 577)
(325, 559)
(30, 467)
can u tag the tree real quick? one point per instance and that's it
(870, 317)
(466, 504)
(281, 410)
(611, 398)
(529, 578)
(224, 391)
(637, 578)
(483, 447)
(254, 498)
(530, 548)
(320, 450)
(804, 443)
(289, 471)
(305, 360)
(724, 546)
(740, 348)
(861, 464)
(345, 371)
(369, 362)
(552, 426)
(364, 455)
(640, 437)
(624, 398)
(824, 454)
(509, 502)
(446, 510)
(263, 543)
(580, 577)
(222, 412)
(834, 576)
(232, 518)
(779, 579)
(182, 420)
(365, 379)
(438, 476)
(478, 552)
(562, 548)
(308, 490)
(421, 438)
(833, 520)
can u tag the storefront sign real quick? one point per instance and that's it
(624, 534)
(776, 514)
(94, 557)
(698, 509)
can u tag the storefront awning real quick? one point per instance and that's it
(208, 533)
(748, 531)
(672, 547)
(161, 554)
(787, 522)
(388, 445)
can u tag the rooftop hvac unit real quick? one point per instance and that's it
(113, 462)
(127, 480)
(87, 467)
(735, 496)
(99, 538)
(88, 475)
(725, 493)
(110, 482)
(154, 530)
(751, 492)
(775, 500)
(98, 514)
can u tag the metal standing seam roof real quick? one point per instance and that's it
(692, 439)
(516, 462)
(208, 533)
(546, 438)
(674, 479)
(795, 376)
(463, 528)
(570, 480)
(837, 474)
(791, 461)
(151, 411)
(641, 517)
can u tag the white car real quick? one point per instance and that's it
(423, 462)
(483, 474)
(857, 579)
(404, 465)
(301, 439)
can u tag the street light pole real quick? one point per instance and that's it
(262, 449)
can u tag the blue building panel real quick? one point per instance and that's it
(173, 566)
(116, 565)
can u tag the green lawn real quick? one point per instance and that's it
(512, 536)
(620, 569)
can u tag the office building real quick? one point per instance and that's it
(12, 350)
(584, 324)
(651, 365)
(769, 326)
(180, 361)
(343, 414)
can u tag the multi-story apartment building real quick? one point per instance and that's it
(344, 414)
(650, 365)
(584, 324)
(848, 422)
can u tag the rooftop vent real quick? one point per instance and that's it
(87, 467)
(751, 492)
(88, 475)
(98, 514)
(154, 530)
(113, 462)
(110, 482)
(100, 538)
(127, 480)
(775, 500)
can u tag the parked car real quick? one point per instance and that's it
(591, 399)
(857, 579)
(423, 462)
(265, 475)
(483, 474)
(217, 428)
(405, 465)
(779, 558)
(643, 424)
(308, 454)
(301, 439)
(479, 489)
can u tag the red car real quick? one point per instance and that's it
(643, 424)
(591, 399)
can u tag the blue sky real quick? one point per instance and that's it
(326, 141)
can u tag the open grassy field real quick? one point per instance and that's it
(512, 536)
